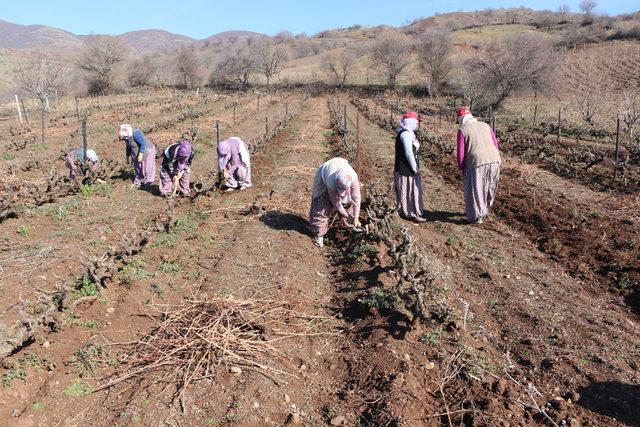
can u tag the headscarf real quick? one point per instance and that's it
(184, 149)
(126, 131)
(466, 119)
(343, 181)
(91, 155)
(409, 124)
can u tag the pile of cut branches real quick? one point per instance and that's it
(200, 334)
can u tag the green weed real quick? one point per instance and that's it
(134, 270)
(8, 156)
(431, 337)
(84, 287)
(171, 267)
(38, 147)
(78, 389)
(74, 320)
(24, 230)
(84, 359)
(362, 253)
(90, 190)
(379, 298)
(190, 220)
(165, 239)
(37, 406)
(13, 374)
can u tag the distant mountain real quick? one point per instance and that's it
(16, 36)
(149, 41)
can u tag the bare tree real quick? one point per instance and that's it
(629, 107)
(100, 60)
(391, 53)
(187, 65)
(564, 9)
(587, 6)
(37, 75)
(590, 86)
(434, 52)
(238, 66)
(141, 72)
(340, 65)
(269, 59)
(520, 62)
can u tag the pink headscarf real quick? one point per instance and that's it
(184, 150)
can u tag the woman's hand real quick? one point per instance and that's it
(140, 157)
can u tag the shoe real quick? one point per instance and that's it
(418, 219)
(477, 221)
(245, 186)
(319, 241)
(229, 190)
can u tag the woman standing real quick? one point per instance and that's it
(335, 187)
(175, 170)
(478, 155)
(141, 153)
(406, 173)
(234, 164)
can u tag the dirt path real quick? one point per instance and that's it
(236, 249)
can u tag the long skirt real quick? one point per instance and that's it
(409, 195)
(240, 178)
(166, 182)
(145, 172)
(480, 187)
(70, 162)
(320, 213)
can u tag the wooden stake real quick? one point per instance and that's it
(234, 113)
(42, 124)
(84, 143)
(266, 126)
(19, 112)
(559, 121)
(24, 110)
(217, 132)
(535, 114)
(77, 109)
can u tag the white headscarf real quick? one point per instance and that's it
(466, 119)
(126, 131)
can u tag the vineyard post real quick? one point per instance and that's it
(493, 122)
(77, 108)
(19, 112)
(490, 114)
(24, 110)
(615, 170)
(258, 108)
(286, 109)
(217, 132)
(234, 113)
(345, 118)
(266, 125)
(535, 114)
(84, 143)
(391, 117)
(42, 124)
(559, 120)
(358, 166)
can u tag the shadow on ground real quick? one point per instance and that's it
(614, 399)
(278, 220)
(443, 216)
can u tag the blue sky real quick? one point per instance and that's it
(201, 18)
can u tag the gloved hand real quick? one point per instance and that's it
(140, 157)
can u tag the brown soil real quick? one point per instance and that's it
(538, 314)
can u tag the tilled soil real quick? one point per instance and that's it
(527, 336)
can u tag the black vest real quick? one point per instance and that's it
(171, 162)
(402, 163)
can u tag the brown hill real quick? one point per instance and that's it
(18, 36)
